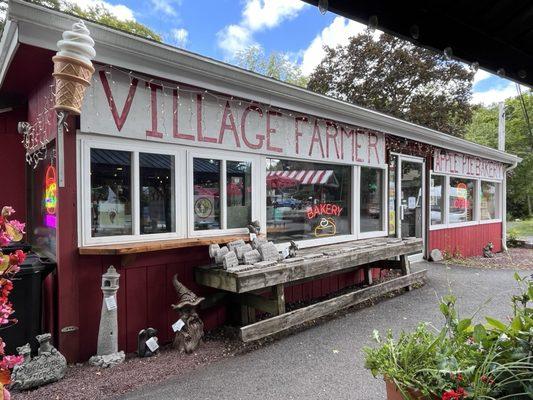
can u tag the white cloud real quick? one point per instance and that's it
(497, 94)
(180, 36)
(337, 33)
(481, 75)
(165, 6)
(261, 14)
(120, 11)
(257, 15)
(234, 38)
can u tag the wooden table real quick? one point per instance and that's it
(309, 264)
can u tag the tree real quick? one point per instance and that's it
(275, 65)
(395, 77)
(518, 140)
(97, 13)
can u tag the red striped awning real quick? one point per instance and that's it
(304, 177)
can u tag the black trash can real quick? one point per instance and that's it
(26, 297)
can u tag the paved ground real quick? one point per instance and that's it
(326, 362)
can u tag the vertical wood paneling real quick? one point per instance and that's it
(468, 241)
(136, 300)
(156, 299)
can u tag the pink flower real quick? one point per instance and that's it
(2, 346)
(7, 395)
(17, 257)
(9, 362)
(5, 239)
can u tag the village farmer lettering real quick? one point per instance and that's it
(166, 112)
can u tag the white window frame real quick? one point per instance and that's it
(498, 198)
(222, 156)
(384, 203)
(85, 144)
(477, 205)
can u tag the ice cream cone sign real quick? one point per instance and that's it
(73, 68)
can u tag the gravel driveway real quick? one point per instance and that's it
(326, 362)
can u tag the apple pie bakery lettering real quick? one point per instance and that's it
(121, 107)
(447, 162)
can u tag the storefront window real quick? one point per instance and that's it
(461, 195)
(206, 177)
(110, 193)
(371, 200)
(238, 193)
(157, 193)
(307, 200)
(436, 199)
(488, 200)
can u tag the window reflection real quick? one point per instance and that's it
(110, 193)
(307, 200)
(206, 179)
(157, 193)
(461, 200)
(371, 200)
(488, 200)
(238, 193)
(436, 199)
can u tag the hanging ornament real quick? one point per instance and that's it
(500, 72)
(448, 53)
(414, 30)
(373, 22)
(522, 73)
(474, 66)
(323, 6)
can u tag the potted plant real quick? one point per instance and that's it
(462, 360)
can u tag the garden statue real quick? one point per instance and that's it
(107, 354)
(254, 227)
(147, 342)
(487, 250)
(47, 367)
(293, 248)
(190, 331)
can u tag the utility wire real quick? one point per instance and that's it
(524, 109)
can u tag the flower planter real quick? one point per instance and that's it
(393, 393)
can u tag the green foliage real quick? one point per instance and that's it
(487, 361)
(519, 141)
(97, 13)
(512, 238)
(275, 65)
(395, 77)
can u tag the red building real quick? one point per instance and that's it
(174, 150)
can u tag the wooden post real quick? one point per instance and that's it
(247, 315)
(406, 267)
(368, 276)
(279, 296)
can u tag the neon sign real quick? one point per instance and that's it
(50, 197)
(461, 201)
(326, 227)
(323, 209)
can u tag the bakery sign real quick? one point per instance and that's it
(447, 162)
(119, 106)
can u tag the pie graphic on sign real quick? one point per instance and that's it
(326, 227)
(203, 207)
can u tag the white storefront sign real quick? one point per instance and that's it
(120, 107)
(447, 162)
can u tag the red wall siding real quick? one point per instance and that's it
(12, 174)
(468, 241)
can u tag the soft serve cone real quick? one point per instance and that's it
(73, 68)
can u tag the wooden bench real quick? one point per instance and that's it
(311, 263)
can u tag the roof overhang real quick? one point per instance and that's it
(497, 34)
(41, 27)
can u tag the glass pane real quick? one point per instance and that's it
(436, 199)
(411, 199)
(110, 193)
(307, 200)
(392, 194)
(238, 193)
(206, 178)
(461, 200)
(156, 180)
(371, 200)
(488, 199)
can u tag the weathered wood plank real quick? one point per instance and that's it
(258, 302)
(283, 273)
(288, 320)
(156, 245)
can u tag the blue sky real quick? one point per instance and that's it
(220, 28)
